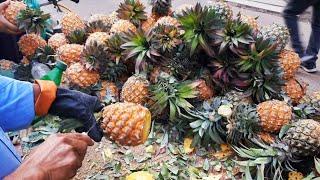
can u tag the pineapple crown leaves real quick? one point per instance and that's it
(260, 58)
(208, 124)
(132, 10)
(97, 26)
(165, 37)
(95, 56)
(113, 71)
(168, 93)
(138, 45)
(201, 26)
(44, 55)
(77, 37)
(33, 21)
(161, 7)
(244, 123)
(115, 51)
(225, 73)
(235, 36)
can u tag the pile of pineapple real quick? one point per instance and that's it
(213, 76)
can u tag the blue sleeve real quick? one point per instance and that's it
(16, 104)
(10, 160)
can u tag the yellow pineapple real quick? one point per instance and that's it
(273, 115)
(295, 90)
(70, 53)
(148, 24)
(11, 12)
(290, 62)
(99, 37)
(71, 22)
(57, 40)
(79, 76)
(122, 26)
(108, 89)
(29, 43)
(251, 21)
(135, 90)
(126, 123)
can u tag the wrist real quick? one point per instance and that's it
(31, 173)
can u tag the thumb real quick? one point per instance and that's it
(4, 5)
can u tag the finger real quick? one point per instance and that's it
(4, 5)
(81, 137)
(9, 25)
(80, 147)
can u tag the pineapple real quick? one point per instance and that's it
(107, 20)
(122, 26)
(205, 91)
(12, 11)
(167, 21)
(165, 38)
(135, 90)
(114, 48)
(222, 9)
(94, 56)
(126, 123)
(303, 137)
(184, 7)
(309, 106)
(277, 33)
(44, 55)
(295, 90)
(160, 8)
(266, 137)
(29, 43)
(70, 53)
(109, 92)
(79, 76)
(236, 98)
(290, 63)
(294, 175)
(77, 36)
(148, 24)
(99, 23)
(132, 10)
(57, 40)
(71, 22)
(273, 115)
(99, 37)
(251, 21)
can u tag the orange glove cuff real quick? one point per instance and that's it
(46, 97)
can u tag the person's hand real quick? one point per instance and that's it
(80, 106)
(59, 157)
(5, 25)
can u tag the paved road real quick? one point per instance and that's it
(87, 7)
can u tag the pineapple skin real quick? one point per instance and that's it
(295, 90)
(29, 43)
(126, 123)
(70, 53)
(222, 8)
(100, 37)
(205, 91)
(148, 24)
(71, 22)
(122, 26)
(290, 63)
(273, 115)
(11, 12)
(135, 90)
(303, 137)
(168, 21)
(57, 40)
(79, 76)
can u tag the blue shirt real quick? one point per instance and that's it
(16, 112)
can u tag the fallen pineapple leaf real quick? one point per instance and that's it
(187, 145)
(108, 153)
(140, 175)
(213, 177)
(150, 149)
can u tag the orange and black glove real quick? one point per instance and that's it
(69, 104)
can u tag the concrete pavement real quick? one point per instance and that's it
(87, 7)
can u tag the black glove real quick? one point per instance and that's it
(80, 106)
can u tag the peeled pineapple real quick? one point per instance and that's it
(122, 26)
(290, 63)
(79, 76)
(273, 115)
(11, 12)
(126, 123)
(29, 43)
(135, 90)
(295, 90)
(71, 22)
(57, 40)
(70, 53)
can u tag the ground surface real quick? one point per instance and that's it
(99, 155)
